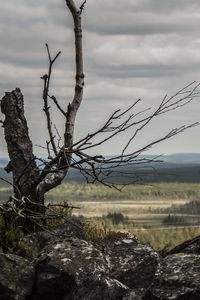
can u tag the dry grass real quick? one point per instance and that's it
(143, 205)
(127, 207)
(138, 202)
(160, 239)
(166, 238)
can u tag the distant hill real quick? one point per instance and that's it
(183, 158)
(178, 167)
(176, 158)
(173, 168)
(3, 161)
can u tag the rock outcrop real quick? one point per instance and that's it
(17, 276)
(177, 277)
(68, 267)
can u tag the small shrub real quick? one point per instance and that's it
(96, 232)
(57, 214)
(116, 218)
(174, 220)
(12, 239)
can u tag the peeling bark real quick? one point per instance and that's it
(20, 149)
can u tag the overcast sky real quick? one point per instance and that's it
(132, 48)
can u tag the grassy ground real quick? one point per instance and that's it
(168, 191)
(143, 205)
(166, 238)
(163, 238)
(138, 203)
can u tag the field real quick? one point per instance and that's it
(144, 207)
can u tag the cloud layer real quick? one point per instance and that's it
(133, 49)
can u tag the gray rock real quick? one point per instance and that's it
(130, 262)
(39, 240)
(75, 269)
(190, 246)
(177, 278)
(98, 288)
(136, 294)
(118, 268)
(16, 277)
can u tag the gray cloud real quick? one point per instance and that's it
(133, 49)
(151, 24)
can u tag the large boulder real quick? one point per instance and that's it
(190, 246)
(130, 262)
(17, 277)
(69, 267)
(136, 294)
(75, 269)
(177, 278)
(37, 241)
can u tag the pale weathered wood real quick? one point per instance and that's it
(78, 95)
(65, 158)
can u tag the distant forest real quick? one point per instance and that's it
(174, 168)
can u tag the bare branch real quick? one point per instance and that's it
(63, 163)
(168, 104)
(82, 6)
(79, 85)
(58, 135)
(3, 179)
(48, 150)
(58, 105)
(46, 79)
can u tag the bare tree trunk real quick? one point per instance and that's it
(20, 150)
(28, 181)
(22, 161)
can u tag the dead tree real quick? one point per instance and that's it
(32, 181)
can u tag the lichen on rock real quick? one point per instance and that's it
(119, 267)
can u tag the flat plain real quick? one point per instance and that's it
(144, 208)
(137, 202)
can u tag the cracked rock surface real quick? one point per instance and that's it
(69, 267)
(177, 277)
(16, 277)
